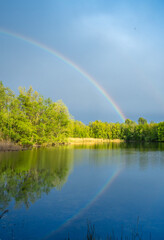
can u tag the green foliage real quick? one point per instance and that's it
(98, 129)
(142, 121)
(161, 131)
(79, 130)
(128, 131)
(29, 119)
(129, 121)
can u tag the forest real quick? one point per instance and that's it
(29, 119)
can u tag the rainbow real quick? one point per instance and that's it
(70, 63)
(88, 205)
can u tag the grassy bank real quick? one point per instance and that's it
(77, 141)
(11, 146)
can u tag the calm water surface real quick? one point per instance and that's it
(49, 193)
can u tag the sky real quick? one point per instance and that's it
(119, 44)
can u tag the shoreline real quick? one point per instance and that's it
(77, 141)
(7, 146)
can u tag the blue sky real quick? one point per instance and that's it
(119, 43)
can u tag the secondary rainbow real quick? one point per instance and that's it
(70, 63)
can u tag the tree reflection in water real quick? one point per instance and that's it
(25, 176)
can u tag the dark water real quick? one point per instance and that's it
(49, 193)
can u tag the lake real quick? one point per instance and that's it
(52, 192)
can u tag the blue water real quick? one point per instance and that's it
(50, 193)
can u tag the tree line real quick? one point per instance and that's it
(28, 118)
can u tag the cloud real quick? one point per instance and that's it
(123, 58)
(106, 28)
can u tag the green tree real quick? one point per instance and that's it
(161, 131)
(142, 121)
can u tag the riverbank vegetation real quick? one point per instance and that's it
(135, 234)
(28, 119)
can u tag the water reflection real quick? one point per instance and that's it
(27, 176)
(127, 154)
(145, 146)
(24, 176)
